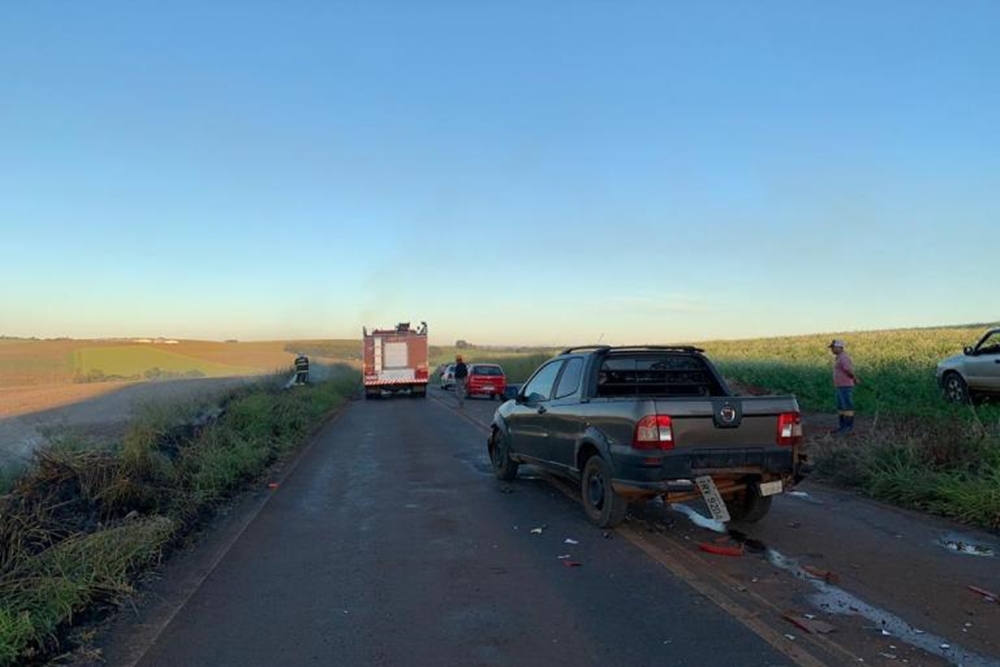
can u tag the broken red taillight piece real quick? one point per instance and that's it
(789, 429)
(653, 432)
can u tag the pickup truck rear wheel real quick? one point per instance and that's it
(749, 506)
(504, 467)
(603, 506)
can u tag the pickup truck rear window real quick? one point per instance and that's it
(657, 375)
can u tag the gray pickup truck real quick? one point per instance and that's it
(633, 423)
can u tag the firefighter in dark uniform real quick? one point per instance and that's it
(301, 369)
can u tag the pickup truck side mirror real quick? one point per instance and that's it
(512, 393)
(968, 350)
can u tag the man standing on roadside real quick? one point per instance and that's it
(844, 381)
(461, 375)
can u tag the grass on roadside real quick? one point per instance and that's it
(77, 527)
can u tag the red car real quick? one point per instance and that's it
(486, 380)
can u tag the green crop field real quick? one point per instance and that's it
(896, 367)
(135, 360)
(25, 362)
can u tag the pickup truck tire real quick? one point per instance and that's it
(504, 467)
(749, 506)
(602, 505)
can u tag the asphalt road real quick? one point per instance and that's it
(392, 544)
(389, 542)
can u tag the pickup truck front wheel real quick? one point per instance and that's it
(504, 467)
(603, 506)
(749, 506)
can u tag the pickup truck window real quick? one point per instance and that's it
(658, 375)
(539, 388)
(569, 381)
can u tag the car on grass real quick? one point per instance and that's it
(975, 373)
(486, 380)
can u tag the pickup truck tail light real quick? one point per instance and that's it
(653, 432)
(789, 429)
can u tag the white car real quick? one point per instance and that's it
(973, 373)
(447, 376)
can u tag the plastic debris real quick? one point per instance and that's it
(987, 595)
(811, 626)
(572, 563)
(828, 576)
(721, 550)
(564, 556)
(537, 531)
(570, 540)
(965, 546)
(698, 519)
(273, 485)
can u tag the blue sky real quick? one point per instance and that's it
(513, 172)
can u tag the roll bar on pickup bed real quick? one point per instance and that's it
(603, 349)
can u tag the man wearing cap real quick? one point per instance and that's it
(843, 382)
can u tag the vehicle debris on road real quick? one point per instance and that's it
(810, 625)
(828, 576)
(721, 550)
(987, 595)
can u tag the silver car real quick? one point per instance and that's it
(973, 373)
(447, 376)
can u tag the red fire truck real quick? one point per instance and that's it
(395, 360)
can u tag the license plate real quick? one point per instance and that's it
(771, 488)
(487, 387)
(712, 498)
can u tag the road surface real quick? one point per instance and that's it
(389, 542)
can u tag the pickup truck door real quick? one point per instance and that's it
(526, 421)
(563, 420)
